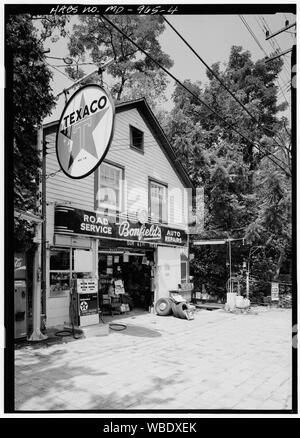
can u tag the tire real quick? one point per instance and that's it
(174, 309)
(163, 307)
(180, 310)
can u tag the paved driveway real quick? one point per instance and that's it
(216, 361)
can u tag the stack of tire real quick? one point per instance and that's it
(167, 306)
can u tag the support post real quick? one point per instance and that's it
(44, 226)
(230, 283)
(37, 335)
(247, 282)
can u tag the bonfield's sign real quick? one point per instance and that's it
(75, 221)
(85, 131)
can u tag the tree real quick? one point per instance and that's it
(31, 102)
(232, 170)
(134, 73)
(272, 226)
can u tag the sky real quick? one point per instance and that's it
(212, 37)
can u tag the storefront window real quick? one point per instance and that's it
(60, 259)
(82, 263)
(59, 272)
(109, 194)
(158, 202)
(67, 264)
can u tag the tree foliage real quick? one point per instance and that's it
(245, 193)
(134, 74)
(31, 102)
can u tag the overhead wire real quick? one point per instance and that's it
(273, 42)
(260, 46)
(120, 144)
(199, 98)
(256, 144)
(293, 35)
(71, 65)
(220, 81)
(252, 34)
(64, 74)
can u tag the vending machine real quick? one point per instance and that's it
(87, 301)
(20, 295)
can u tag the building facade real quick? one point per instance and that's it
(127, 221)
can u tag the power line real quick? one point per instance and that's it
(250, 30)
(292, 36)
(272, 42)
(195, 96)
(258, 43)
(73, 66)
(220, 81)
(252, 34)
(64, 74)
(210, 69)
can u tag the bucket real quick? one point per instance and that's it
(231, 301)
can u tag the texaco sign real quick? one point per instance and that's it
(85, 131)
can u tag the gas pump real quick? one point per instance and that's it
(84, 301)
(20, 296)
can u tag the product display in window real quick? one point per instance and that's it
(59, 283)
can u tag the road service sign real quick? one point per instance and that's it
(85, 131)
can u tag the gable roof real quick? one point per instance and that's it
(149, 118)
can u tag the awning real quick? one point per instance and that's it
(213, 241)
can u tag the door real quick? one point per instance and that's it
(168, 275)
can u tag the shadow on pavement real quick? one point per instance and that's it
(139, 331)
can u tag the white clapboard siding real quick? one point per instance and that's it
(80, 193)
(60, 188)
(138, 166)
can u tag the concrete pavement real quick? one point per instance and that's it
(218, 360)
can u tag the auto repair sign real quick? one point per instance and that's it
(85, 131)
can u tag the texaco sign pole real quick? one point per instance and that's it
(36, 334)
(40, 235)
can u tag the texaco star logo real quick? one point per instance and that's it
(85, 131)
(84, 306)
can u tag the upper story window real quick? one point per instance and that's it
(158, 204)
(136, 139)
(109, 190)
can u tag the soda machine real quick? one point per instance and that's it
(20, 295)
